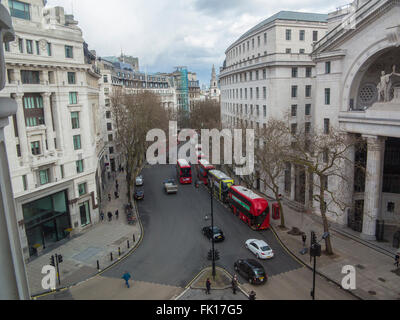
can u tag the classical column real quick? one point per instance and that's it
(293, 182)
(48, 120)
(23, 140)
(373, 185)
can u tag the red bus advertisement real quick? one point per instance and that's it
(202, 170)
(250, 207)
(184, 172)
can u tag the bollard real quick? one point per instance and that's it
(111, 256)
(128, 243)
(133, 238)
(98, 265)
(119, 252)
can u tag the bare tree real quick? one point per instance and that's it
(205, 115)
(325, 154)
(135, 113)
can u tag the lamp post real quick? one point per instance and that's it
(315, 251)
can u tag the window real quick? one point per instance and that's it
(82, 188)
(35, 147)
(308, 109)
(79, 166)
(105, 79)
(69, 52)
(315, 35)
(288, 50)
(327, 67)
(111, 150)
(288, 34)
(293, 128)
(251, 93)
(44, 177)
(327, 96)
(257, 93)
(37, 48)
(62, 171)
(308, 72)
(308, 91)
(307, 128)
(302, 51)
(391, 207)
(325, 155)
(294, 91)
(7, 46)
(29, 46)
(49, 51)
(265, 74)
(108, 114)
(19, 9)
(265, 38)
(77, 142)
(294, 110)
(75, 120)
(265, 111)
(326, 126)
(24, 182)
(30, 77)
(110, 137)
(73, 98)
(21, 45)
(71, 78)
(109, 126)
(265, 92)
(302, 35)
(294, 72)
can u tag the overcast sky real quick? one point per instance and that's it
(168, 33)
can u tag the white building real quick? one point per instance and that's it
(51, 141)
(214, 93)
(268, 73)
(357, 90)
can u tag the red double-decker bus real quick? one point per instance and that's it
(202, 170)
(249, 207)
(184, 172)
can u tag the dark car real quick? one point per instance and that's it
(139, 195)
(218, 234)
(251, 270)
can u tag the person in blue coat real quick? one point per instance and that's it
(126, 277)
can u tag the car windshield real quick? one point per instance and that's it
(259, 272)
(265, 248)
(217, 230)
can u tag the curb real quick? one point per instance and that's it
(310, 268)
(100, 272)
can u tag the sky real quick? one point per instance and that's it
(164, 34)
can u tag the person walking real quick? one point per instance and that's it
(396, 259)
(208, 286)
(116, 214)
(126, 277)
(252, 295)
(109, 214)
(116, 195)
(304, 237)
(102, 216)
(109, 197)
(234, 284)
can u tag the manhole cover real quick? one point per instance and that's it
(372, 293)
(359, 266)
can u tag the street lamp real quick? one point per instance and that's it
(315, 251)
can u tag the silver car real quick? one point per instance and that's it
(260, 248)
(139, 181)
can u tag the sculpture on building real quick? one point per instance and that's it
(385, 86)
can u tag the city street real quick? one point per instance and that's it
(174, 250)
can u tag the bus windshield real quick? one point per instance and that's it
(186, 172)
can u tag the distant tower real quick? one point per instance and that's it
(214, 90)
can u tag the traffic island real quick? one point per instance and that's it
(222, 279)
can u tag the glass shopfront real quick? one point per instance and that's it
(46, 220)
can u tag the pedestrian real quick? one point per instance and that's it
(116, 195)
(109, 197)
(252, 295)
(116, 182)
(117, 186)
(304, 239)
(109, 214)
(234, 284)
(102, 216)
(396, 259)
(117, 214)
(126, 277)
(208, 286)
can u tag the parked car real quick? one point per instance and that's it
(139, 181)
(251, 270)
(170, 186)
(260, 248)
(218, 234)
(139, 195)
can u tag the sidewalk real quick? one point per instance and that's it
(81, 253)
(375, 276)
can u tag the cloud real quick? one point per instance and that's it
(167, 33)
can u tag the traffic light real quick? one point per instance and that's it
(52, 262)
(313, 237)
(60, 258)
(216, 257)
(210, 254)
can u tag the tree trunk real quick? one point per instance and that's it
(328, 244)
